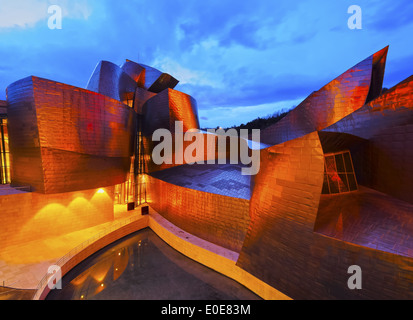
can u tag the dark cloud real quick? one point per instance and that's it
(262, 51)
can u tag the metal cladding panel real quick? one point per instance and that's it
(169, 106)
(205, 147)
(286, 244)
(141, 96)
(72, 126)
(3, 107)
(134, 70)
(162, 111)
(339, 98)
(24, 139)
(182, 107)
(216, 218)
(393, 108)
(165, 81)
(110, 80)
(368, 218)
(154, 80)
(386, 122)
(283, 207)
(156, 113)
(150, 75)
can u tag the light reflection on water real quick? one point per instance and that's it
(143, 267)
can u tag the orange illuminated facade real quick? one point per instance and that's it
(333, 190)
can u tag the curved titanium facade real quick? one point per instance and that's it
(109, 80)
(161, 112)
(334, 187)
(63, 138)
(302, 242)
(384, 163)
(155, 81)
(337, 99)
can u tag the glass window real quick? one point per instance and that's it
(339, 174)
(4, 153)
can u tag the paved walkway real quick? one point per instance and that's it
(25, 265)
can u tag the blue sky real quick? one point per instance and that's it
(239, 59)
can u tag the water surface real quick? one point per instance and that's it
(143, 267)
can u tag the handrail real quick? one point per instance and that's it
(62, 260)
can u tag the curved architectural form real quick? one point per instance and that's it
(333, 190)
(337, 99)
(149, 78)
(310, 240)
(384, 163)
(62, 138)
(109, 80)
(161, 112)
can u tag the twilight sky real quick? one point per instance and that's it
(239, 59)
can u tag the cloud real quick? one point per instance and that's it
(27, 13)
(184, 75)
(228, 55)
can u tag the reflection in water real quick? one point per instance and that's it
(143, 267)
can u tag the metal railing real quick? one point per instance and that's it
(68, 256)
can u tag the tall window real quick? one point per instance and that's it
(339, 174)
(4, 153)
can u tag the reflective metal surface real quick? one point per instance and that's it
(109, 80)
(287, 233)
(337, 99)
(386, 123)
(63, 138)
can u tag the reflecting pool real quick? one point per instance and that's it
(142, 266)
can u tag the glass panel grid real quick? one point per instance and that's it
(339, 174)
(4, 153)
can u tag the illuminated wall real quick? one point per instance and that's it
(216, 218)
(34, 216)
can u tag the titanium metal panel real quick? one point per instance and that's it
(66, 138)
(135, 71)
(109, 79)
(302, 243)
(216, 218)
(141, 96)
(156, 81)
(387, 123)
(339, 98)
(169, 106)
